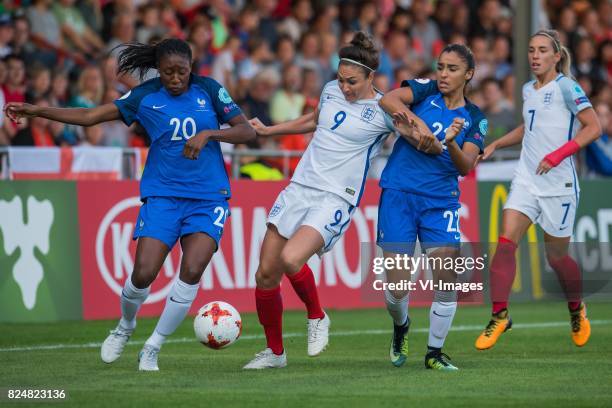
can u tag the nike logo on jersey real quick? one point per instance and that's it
(562, 228)
(158, 107)
(436, 105)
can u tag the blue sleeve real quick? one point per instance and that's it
(128, 104)
(225, 107)
(477, 132)
(421, 88)
(573, 95)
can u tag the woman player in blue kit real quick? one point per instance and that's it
(420, 191)
(184, 186)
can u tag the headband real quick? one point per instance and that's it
(356, 63)
(555, 43)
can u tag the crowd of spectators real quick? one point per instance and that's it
(274, 56)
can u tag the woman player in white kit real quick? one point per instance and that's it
(315, 209)
(545, 187)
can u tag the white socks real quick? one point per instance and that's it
(178, 302)
(397, 308)
(441, 317)
(131, 299)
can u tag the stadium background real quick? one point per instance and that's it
(273, 57)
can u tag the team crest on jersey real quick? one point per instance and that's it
(483, 126)
(368, 112)
(224, 96)
(276, 210)
(548, 97)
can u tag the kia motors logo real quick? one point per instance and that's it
(114, 258)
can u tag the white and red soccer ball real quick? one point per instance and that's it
(217, 325)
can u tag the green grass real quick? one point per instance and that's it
(530, 366)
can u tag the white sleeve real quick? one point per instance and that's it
(573, 95)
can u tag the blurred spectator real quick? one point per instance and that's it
(484, 60)
(599, 153)
(88, 95)
(267, 24)
(248, 21)
(110, 11)
(59, 88)
(486, 24)
(309, 50)
(296, 142)
(123, 31)
(80, 36)
(150, 24)
(114, 133)
(604, 60)
(424, 31)
(7, 32)
(328, 56)
(259, 54)
(501, 57)
(260, 91)
(311, 84)
(326, 21)
(39, 83)
(584, 63)
(224, 65)
(199, 38)
(366, 17)
(297, 23)
(498, 110)
(396, 53)
(38, 132)
(285, 52)
(288, 103)
(13, 89)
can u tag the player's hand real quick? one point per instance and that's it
(544, 167)
(453, 130)
(194, 145)
(488, 152)
(260, 128)
(404, 124)
(17, 110)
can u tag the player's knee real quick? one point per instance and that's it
(144, 272)
(291, 263)
(398, 294)
(191, 274)
(266, 278)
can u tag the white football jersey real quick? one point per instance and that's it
(347, 137)
(549, 115)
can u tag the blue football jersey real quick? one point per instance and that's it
(432, 175)
(170, 121)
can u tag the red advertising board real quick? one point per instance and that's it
(108, 210)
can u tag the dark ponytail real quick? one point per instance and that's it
(142, 57)
(361, 50)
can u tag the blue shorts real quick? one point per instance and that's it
(403, 217)
(169, 218)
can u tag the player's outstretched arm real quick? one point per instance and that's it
(590, 131)
(239, 132)
(304, 124)
(74, 116)
(514, 137)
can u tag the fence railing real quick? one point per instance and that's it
(130, 162)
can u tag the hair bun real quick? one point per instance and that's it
(364, 41)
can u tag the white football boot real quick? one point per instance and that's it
(147, 358)
(318, 335)
(113, 345)
(267, 359)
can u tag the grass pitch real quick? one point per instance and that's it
(535, 364)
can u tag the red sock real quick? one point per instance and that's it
(502, 272)
(304, 285)
(270, 312)
(568, 273)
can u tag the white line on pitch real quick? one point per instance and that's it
(540, 325)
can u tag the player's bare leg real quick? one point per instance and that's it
(150, 256)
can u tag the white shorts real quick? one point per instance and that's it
(299, 205)
(555, 214)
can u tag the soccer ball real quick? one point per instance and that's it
(217, 325)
